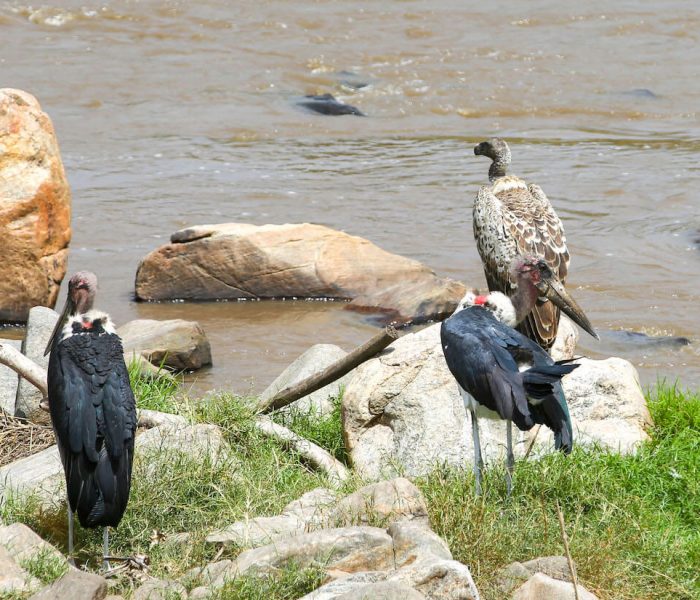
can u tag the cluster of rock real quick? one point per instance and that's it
(402, 411)
(174, 344)
(399, 557)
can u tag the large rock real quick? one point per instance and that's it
(313, 361)
(40, 324)
(295, 518)
(543, 587)
(382, 502)
(349, 549)
(160, 589)
(24, 544)
(9, 381)
(239, 260)
(402, 411)
(178, 344)
(13, 578)
(607, 404)
(382, 590)
(429, 299)
(76, 585)
(40, 474)
(34, 207)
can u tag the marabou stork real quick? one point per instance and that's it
(502, 374)
(512, 218)
(92, 410)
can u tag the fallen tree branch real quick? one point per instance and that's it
(331, 373)
(26, 367)
(318, 458)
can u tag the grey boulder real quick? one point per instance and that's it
(175, 343)
(312, 361)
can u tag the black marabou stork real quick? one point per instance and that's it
(513, 218)
(92, 410)
(501, 373)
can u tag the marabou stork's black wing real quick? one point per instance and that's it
(483, 355)
(479, 351)
(521, 220)
(94, 416)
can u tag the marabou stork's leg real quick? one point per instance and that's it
(70, 536)
(478, 462)
(510, 459)
(105, 548)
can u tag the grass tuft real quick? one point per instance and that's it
(633, 521)
(46, 566)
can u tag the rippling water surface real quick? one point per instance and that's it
(177, 113)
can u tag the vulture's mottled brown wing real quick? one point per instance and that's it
(510, 219)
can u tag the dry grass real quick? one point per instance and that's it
(20, 438)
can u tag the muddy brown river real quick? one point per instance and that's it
(171, 114)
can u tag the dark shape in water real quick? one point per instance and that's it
(641, 93)
(326, 104)
(352, 81)
(641, 340)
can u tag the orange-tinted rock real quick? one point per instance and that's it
(34, 207)
(238, 260)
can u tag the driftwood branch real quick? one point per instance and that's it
(318, 458)
(331, 373)
(26, 367)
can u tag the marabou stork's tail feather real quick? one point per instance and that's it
(99, 492)
(543, 384)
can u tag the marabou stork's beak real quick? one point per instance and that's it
(553, 289)
(68, 309)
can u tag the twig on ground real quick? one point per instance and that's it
(318, 458)
(532, 442)
(565, 539)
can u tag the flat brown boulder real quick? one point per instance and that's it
(430, 299)
(239, 260)
(35, 206)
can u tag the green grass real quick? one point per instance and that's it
(325, 431)
(45, 566)
(154, 393)
(633, 521)
(289, 584)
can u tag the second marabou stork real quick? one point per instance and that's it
(512, 218)
(502, 374)
(92, 409)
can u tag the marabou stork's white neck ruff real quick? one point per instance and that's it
(510, 218)
(501, 374)
(92, 410)
(85, 322)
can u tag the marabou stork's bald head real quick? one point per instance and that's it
(534, 277)
(82, 288)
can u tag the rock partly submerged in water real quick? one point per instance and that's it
(35, 205)
(174, 343)
(244, 261)
(642, 340)
(327, 104)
